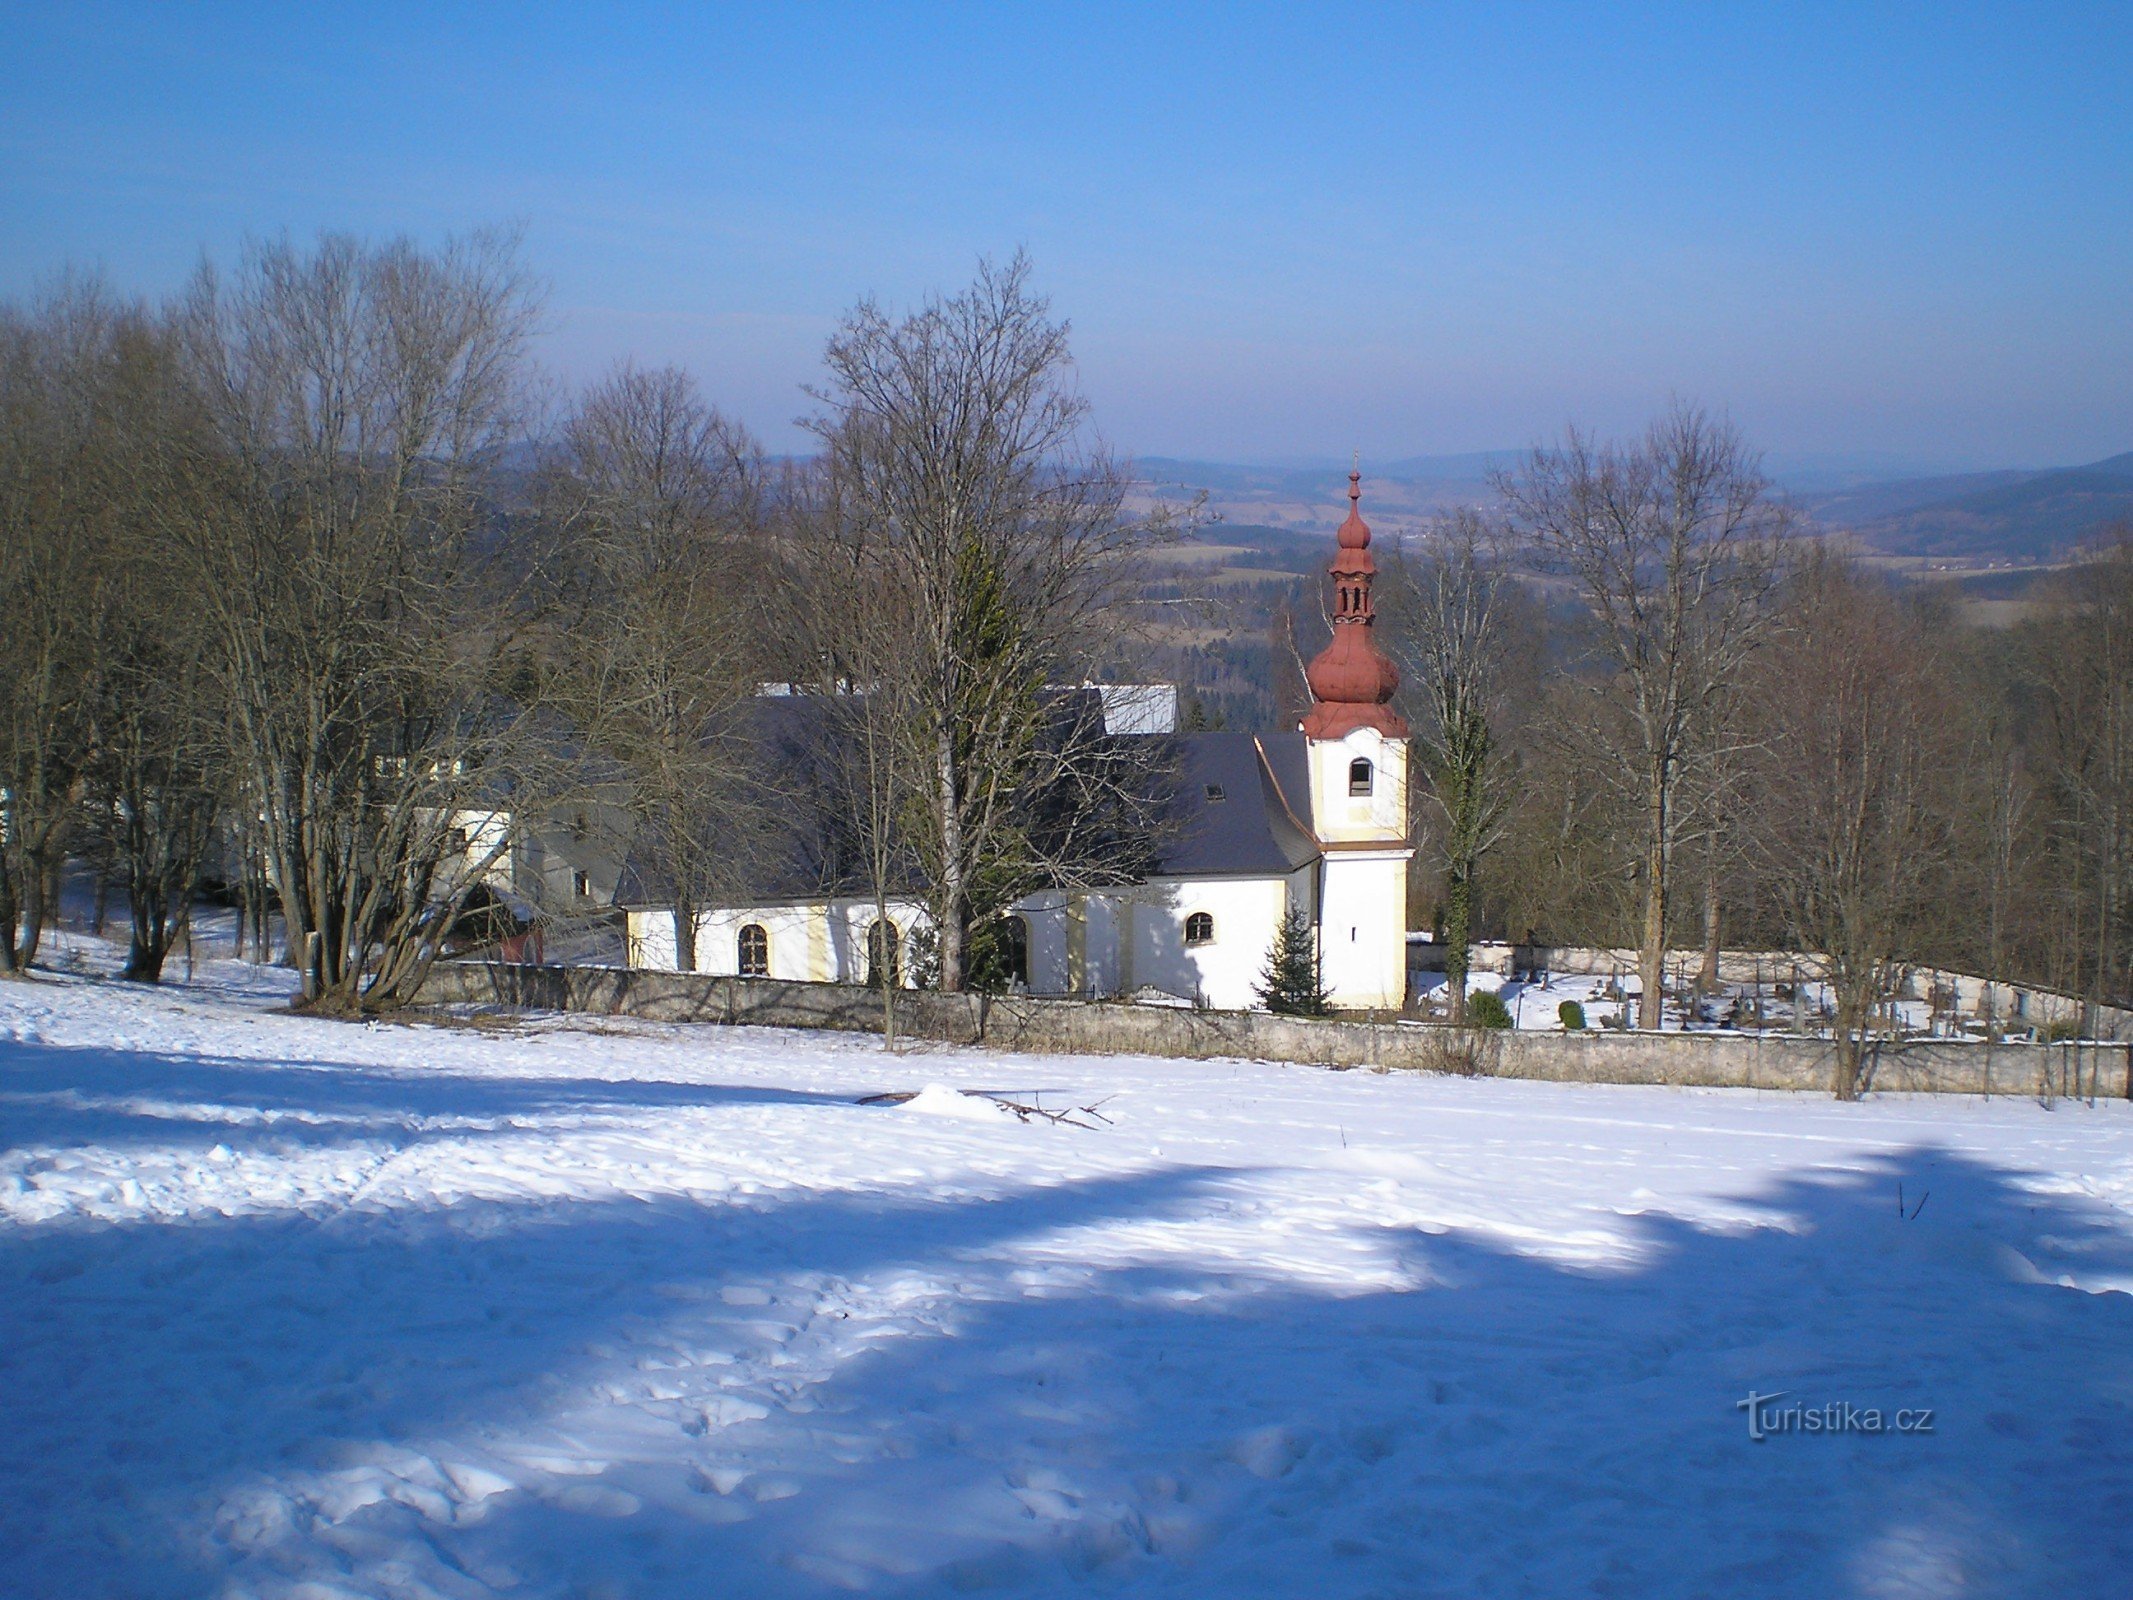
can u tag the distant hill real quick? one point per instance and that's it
(1857, 504)
(2009, 515)
(1997, 515)
(1313, 500)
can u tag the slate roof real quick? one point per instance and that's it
(1254, 828)
(1236, 810)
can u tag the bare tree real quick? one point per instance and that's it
(662, 496)
(55, 441)
(2082, 675)
(1454, 652)
(368, 639)
(962, 444)
(1851, 804)
(863, 654)
(1671, 543)
(159, 748)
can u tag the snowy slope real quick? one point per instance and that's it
(297, 1308)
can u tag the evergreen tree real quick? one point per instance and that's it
(1290, 983)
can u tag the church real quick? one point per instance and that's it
(1315, 820)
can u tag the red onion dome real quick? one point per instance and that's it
(1351, 679)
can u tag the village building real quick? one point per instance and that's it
(1314, 819)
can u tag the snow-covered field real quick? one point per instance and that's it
(571, 1308)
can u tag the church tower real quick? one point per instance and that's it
(1357, 748)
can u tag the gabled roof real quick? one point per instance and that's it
(1236, 810)
(1240, 806)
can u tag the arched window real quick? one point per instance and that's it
(1016, 940)
(755, 951)
(1359, 776)
(881, 954)
(1200, 928)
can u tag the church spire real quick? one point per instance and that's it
(1351, 681)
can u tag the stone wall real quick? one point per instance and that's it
(2012, 1005)
(1776, 1061)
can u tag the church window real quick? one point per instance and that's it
(755, 951)
(1199, 928)
(881, 954)
(1017, 951)
(1359, 776)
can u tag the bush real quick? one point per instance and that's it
(1572, 1015)
(1485, 1009)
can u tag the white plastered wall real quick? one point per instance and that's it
(1363, 929)
(1117, 942)
(823, 942)
(1338, 817)
(1363, 918)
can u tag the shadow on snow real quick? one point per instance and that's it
(1511, 1426)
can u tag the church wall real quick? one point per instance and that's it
(650, 940)
(1225, 972)
(1116, 942)
(825, 942)
(718, 939)
(1051, 960)
(1095, 945)
(1363, 929)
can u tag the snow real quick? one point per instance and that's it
(573, 1307)
(938, 1100)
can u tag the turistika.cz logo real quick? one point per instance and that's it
(1767, 1417)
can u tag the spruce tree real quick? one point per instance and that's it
(1290, 983)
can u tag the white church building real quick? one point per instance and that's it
(1315, 819)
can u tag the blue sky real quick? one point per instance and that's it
(1898, 234)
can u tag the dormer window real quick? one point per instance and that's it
(1359, 776)
(1215, 794)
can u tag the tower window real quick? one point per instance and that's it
(1359, 776)
(1200, 928)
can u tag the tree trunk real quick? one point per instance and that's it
(1458, 933)
(148, 945)
(1651, 955)
(1850, 1032)
(261, 902)
(1707, 976)
(35, 910)
(10, 966)
(954, 890)
(883, 963)
(684, 934)
(1847, 1067)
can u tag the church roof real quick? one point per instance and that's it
(1239, 807)
(1236, 808)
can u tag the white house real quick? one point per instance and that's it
(1314, 819)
